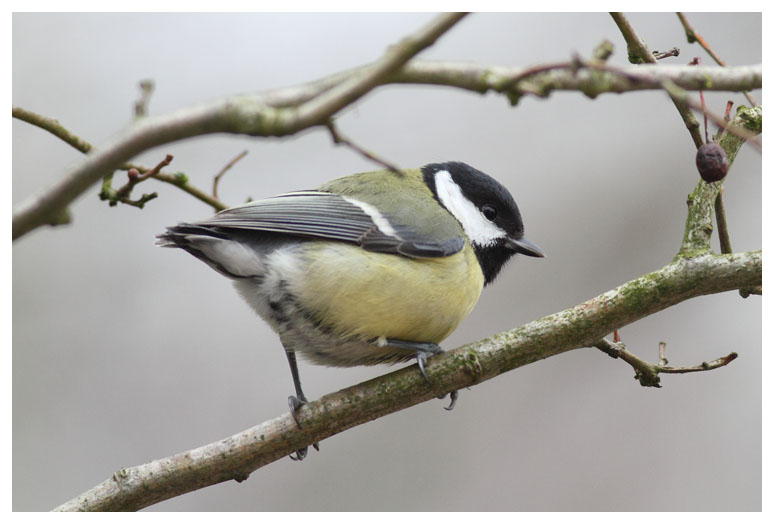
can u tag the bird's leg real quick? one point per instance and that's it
(297, 401)
(422, 352)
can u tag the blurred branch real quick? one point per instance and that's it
(638, 53)
(135, 177)
(583, 325)
(141, 106)
(287, 111)
(58, 130)
(226, 168)
(241, 114)
(693, 36)
(340, 139)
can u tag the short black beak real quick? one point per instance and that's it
(525, 247)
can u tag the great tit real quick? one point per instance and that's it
(371, 268)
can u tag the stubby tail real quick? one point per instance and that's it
(215, 248)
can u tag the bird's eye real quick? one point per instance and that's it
(489, 212)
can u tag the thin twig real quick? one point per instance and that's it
(320, 109)
(662, 353)
(680, 95)
(276, 113)
(226, 168)
(706, 365)
(236, 115)
(52, 126)
(338, 138)
(126, 189)
(696, 61)
(693, 36)
(648, 373)
(664, 54)
(719, 121)
(638, 52)
(721, 223)
(141, 106)
(58, 130)
(135, 177)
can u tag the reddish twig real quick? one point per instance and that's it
(693, 36)
(226, 168)
(664, 54)
(338, 138)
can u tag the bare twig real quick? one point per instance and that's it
(226, 168)
(679, 95)
(273, 114)
(725, 244)
(258, 115)
(638, 52)
(603, 50)
(706, 365)
(239, 455)
(238, 115)
(140, 177)
(58, 130)
(664, 54)
(338, 138)
(648, 373)
(141, 106)
(52, 126)
(696, 61)
(135, 177)
(693, 36)
(320, 109)
(662, 353)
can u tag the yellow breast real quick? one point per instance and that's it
(366, 295)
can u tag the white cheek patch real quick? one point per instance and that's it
(478, 229)
(376, 217)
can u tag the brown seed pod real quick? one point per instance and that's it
(712, 162)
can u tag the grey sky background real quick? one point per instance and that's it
(123, 353)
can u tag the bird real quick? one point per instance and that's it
(370, 268)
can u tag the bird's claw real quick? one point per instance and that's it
(452, 399)
(295, 403)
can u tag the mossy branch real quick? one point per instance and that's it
(699, 220)
(282, 112)
(237, 456)
(249, 115)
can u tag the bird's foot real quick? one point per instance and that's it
(295, 403)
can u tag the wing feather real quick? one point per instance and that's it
(329, 216)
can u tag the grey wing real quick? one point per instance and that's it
(330, 216)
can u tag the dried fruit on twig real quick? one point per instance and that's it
(712, 162)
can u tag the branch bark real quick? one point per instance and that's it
(237, 456)
(638, 52)
(245, 114)
(282, 112)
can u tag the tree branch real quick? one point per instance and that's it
(276, 113)
(58, 130)
(699, 221)
(693, 36)
(237, 456)
(638, 52)
(648, 373)
(242, 114)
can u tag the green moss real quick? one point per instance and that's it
(471, 363)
